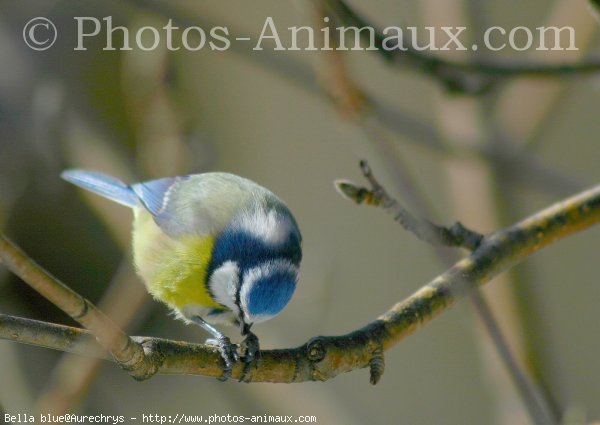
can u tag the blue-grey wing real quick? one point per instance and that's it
(155, 196)
(103, 185)
(173, 210)
(198, 204)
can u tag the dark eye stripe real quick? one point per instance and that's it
(248, 250)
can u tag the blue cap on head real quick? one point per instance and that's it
(264, 249)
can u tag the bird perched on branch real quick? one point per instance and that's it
(214, 247)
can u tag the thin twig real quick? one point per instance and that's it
(341, 87)
(532, 322)
(541, 408)
(526, 169)
(464, 77)
(323, 358)
(127, 353)
(455, 236)
(70, 380)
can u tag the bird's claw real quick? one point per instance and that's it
(251, 355)
(250, 349)
(229, 354)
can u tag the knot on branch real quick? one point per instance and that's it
(315, 349)
(459, 235)
(85, 309)
(315, 353)
(330, 356)
(146, 360)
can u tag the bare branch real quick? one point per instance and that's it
(464, 77)
(49, 335)
(524, 168)
(323, 358)
(455, 236)
(127, 353)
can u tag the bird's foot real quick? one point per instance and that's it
(229, 354)
(250, 355)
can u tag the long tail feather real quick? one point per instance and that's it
(103, 185)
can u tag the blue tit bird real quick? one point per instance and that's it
(214, 247)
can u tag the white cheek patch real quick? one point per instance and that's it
(270, 226)
(223, 284)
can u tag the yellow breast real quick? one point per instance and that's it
(174, 270)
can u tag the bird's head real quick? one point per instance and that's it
(255, 261)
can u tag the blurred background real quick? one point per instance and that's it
(295, 121)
